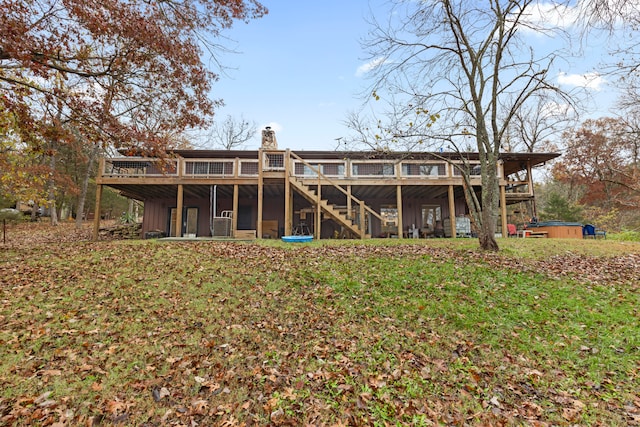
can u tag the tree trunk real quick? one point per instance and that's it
(34, 212)
(490, 201)
(85, 184)
(487, 233)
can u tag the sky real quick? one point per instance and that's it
(301, 70)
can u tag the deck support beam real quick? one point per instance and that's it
(362, 221)
(260, 192)
(179, 204)
(452, 212)
(234, 220)
(318, 219)
(349, 204)
(503, 211)
(96, 216)
(399, 204)
(288, 196)
(534, 208)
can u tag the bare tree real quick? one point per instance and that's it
(462, 70)
(611, 16)
(536, 124)
(232, 133)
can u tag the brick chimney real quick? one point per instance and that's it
(269, 139)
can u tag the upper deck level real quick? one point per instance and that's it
(274, 164)
(201, 167)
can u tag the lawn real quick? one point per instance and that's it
(380, 332)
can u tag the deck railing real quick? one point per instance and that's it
(274, 161)
(134, 167)
(131, 167)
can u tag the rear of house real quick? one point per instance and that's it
(268, 193)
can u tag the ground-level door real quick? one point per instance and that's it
(189, 221)
(245, 218)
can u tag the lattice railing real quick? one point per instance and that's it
(140, 167)
(335, 169)
(199, 168)
(415, 169)
(377, 169)
(331, 169)
(248, 168)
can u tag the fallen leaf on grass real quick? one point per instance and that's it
(199, 406)
(160, 393)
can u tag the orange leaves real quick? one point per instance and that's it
(120, 72)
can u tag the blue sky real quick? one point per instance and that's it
(297, 70)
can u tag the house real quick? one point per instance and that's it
(270, 192)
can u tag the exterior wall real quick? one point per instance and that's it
(156, 213)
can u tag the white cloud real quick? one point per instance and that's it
(365, 68)
(548, 15)
(588, 80)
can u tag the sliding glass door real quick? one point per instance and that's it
(189, 221)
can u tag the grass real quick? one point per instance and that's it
(380, 332)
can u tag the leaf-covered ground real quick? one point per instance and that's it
(429, 332)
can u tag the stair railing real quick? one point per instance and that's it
(327, 180)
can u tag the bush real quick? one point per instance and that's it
(627, 236)
(11, 215)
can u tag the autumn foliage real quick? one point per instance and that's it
(601, 162)
(108, 73)
(151, 50)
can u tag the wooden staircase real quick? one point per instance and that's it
(342, 219)
(357, 229)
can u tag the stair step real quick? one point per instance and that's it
(328, 208)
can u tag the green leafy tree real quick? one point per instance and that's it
(558, 207)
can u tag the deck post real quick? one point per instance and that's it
(318, 210)
(260, 192)
(349, 216)
(534, 209)
(452, 212)
(96, 216)
(234, 219)
(363, 230)
(399, 203)
(288, 205)
(503, 210)
(179, 203)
